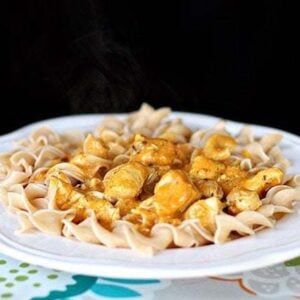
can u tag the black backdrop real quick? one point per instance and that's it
(234, 59)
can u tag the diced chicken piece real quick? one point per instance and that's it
(205, 211)
(205, 168)
(151, 151)
(144, 218)
(172, 194)
(184, 152)
(78, 202)
(63, 189)
(240, 199)
(264, 180)
(94, 146)
(125, 181)
(93, 184)
(67, 197)
(209, 188)
(232, 177)
(126, 205)
(155, 174)
(105, 212)
(219, 147)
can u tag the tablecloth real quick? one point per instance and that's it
(21, 280)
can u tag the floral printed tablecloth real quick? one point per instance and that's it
(20, 280)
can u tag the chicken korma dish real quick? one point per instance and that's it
(148, 182)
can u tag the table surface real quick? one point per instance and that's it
(20, 280)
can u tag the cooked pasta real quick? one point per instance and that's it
(147, 182)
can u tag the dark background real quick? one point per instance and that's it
(233, 59)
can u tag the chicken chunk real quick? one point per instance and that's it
(105, 212)
(125, 181)
(184, 152)
(172, 194)
(153, 151)
(205, 168)
(209, 188)
(143, 218)
(62, 187)
(263, 180)
(94, 146)
(240, 199)
(219, 147)
(205, 211)
(232, 177)
(126, 205)
(155, 174)
(66, 197)
(93, 184)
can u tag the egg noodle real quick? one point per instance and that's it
(147, 182)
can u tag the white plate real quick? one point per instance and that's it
(265, 248)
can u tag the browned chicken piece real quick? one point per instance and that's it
(62, 187)
(232, 177)
(126, 205)
(232, 161)
(93, 184)
(240, 199)
(153, 151)
(184, 152)
(196, 152)
(89, 164)
(105, 212)
(67, 197)
(209, 188)
(172, 195)
(125, 181)
(264, 180)
(219, 147)
(205, 168)
(143, 218)
(74, 200)
(155, 173)
(94, 146)
(205, 211)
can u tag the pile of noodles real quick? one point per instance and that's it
(35, 208)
